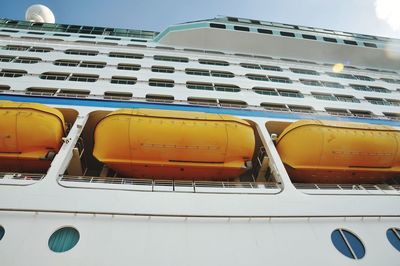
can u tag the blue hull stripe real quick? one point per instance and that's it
(180, 107)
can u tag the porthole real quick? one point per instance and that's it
(393, 235)
(348, 244)
(63, 239)
(2, 232)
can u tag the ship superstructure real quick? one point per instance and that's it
(171, 145)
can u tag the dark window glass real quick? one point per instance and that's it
(393, 235)
(265, 31)
(287, 34)
(2, 232)
(371, 45)
(327, 39)
(63, 239)
(241, 28)
(350, 42)
(309, 37)
(218, 26)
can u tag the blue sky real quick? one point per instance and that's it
(376, 17)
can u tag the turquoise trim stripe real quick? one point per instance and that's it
(181, 107)
(180, 27)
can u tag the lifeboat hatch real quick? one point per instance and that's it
(31, 135)
(169, 145)
(316, 151)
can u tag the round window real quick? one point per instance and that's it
(2, 232)
(393, 235)
(348, 244)
(63, 239)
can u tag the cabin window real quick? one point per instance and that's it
(290, 93)
(6, 59)
(12, 73)
(41, 91)
(241, 28)
(393, 81)
(222, 74)
(271, 68)
(347, 98)
(123, 80)
(159, 98)
(250, 66)
(2, 232)
(257, 77)
(331, 84)
(63, 239)
(378, 101)
(74, 93)
(41, 49)
(301, 109)
(132, 67)
(171, 58)
(117, 95)
(199, 85)
(71, 63)
(366, 78)
(348, 244)
(89, 64)
(379, 89)
(395, 116)
(202, 101)
(226, 88)
(350, 42)
(217, 26)
(232, 103)
(309, 37)
(392, 234)
(165, 48)
(213, 62)
(275, 107)
(360, 87)
(370, 45)
(126, 55)
(279, 79)
(161, 83)
(162, 69)
(337, 112)
(82, 52)
(54, 76)
(327, 39)
(393, 102)
(83, 78)
(310, 82)
(323, 96)
(361, 113)
(340, 75)
(304, 71)
(4, 87)
(15, 47)
(198, 72)
(264, 31)
(287, 34)
(265, 91)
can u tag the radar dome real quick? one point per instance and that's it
(39, 13)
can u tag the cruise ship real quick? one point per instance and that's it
(224, 141)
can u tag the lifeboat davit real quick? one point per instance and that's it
(30, 136)
(339, 152)
(163, 144)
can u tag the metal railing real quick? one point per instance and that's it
(170, 185)
(311, 188)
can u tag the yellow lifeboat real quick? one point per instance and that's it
(30, 135)
(339, 152)
(162, 144)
